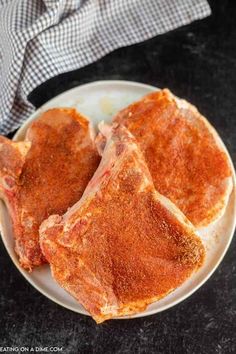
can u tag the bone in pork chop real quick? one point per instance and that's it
(184, 154)
(123, 245)
(47, 179)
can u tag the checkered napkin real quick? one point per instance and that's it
(43, 38)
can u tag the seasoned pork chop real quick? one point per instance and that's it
(123, 245)
(183, 152)
(49, 179)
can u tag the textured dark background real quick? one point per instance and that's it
(197, 62)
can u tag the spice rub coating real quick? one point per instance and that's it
(184, 154)
(56, 169)
(123, 245)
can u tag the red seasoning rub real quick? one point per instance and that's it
(123, 245)
(53, 176)
(184, 154)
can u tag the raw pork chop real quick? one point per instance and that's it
(184, 154)
(123, 245)
(48, 179)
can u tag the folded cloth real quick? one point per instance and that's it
(43, 38)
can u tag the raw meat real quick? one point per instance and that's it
(123, 245)
(184, 154)
(48, 179)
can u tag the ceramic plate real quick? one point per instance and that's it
(100, 101)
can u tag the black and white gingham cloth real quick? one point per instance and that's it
(43, 38)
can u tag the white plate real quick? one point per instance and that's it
(99, 101)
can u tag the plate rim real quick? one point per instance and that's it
(26, 275)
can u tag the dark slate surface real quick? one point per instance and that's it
(197, 62)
